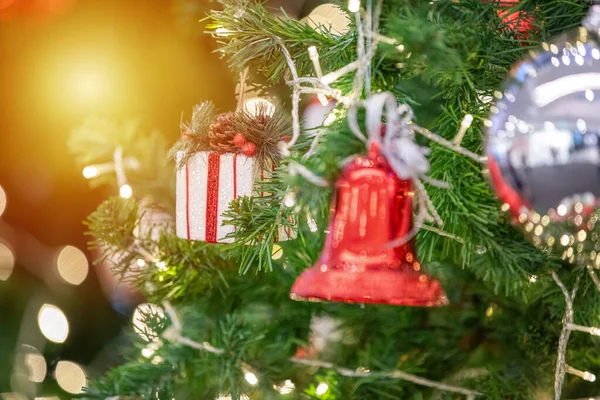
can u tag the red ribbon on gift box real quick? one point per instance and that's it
(212, 195)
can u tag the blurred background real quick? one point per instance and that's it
(62, 61)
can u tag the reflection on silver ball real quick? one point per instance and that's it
(543, 146)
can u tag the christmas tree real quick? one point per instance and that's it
(452, 302)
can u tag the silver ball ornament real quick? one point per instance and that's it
(543, 146)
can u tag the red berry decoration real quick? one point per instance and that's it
(249, 149)
(239, 140)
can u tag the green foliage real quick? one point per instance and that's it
(95, 141)
(196, 131)
(262, 129)
(113, 223)
(499, 334)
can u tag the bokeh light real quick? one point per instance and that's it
(286, 387)
(140, 324)
(2, 200)
(53, 323)
(90, 172)
(72, 265)
(251, 378)
(322, 388)
(70, 377)
(125, 191)
(35, 363)
(353, 5)
(7, 262)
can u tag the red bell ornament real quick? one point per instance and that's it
(371, 208)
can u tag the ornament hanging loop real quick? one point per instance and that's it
(406, 158)
(376, 105)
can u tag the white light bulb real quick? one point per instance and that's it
(589, 95)
(53, 323)
(146, 352)
(353, 5)
(330, 119)
(310, 221)
(157, 360)
(322, 388)
(289, 199)
(161, 265)
(222, 32)
(322, 99)
(251, 378)
(125, 191)
(286, 388)
(467, 121)
(562, 210)
(90, 172)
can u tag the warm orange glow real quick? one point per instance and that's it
(5, 3)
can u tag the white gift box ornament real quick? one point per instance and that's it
(205, 187)
(221, 165)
